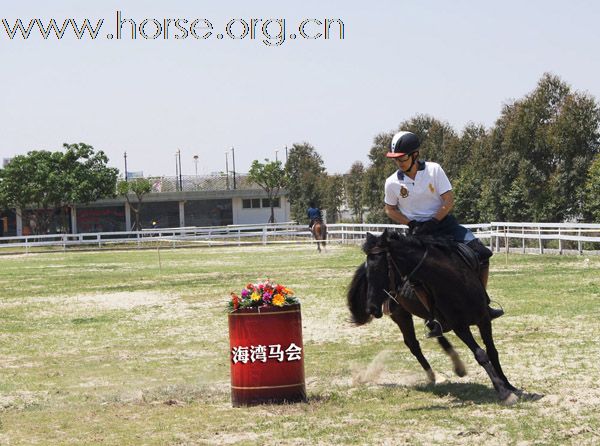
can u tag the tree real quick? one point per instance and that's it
(544, 144)
(271, 178)
(591, 210)
(304, 170)
(333, 196)
(374, 178)
(353, 187)
(139, 187)
(48, 182)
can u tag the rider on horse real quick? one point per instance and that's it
(420, 196)
(314, 215)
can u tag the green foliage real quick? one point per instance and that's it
(271, 176)
(139, 187)
(592, 192)
(53, 181)
(531, 166)
(543, 145)
(304, 169)
(333, 196)
(353, 187)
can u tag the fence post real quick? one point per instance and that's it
(540, 239)
(264, 235)
(498, 239)
(559, 242)
(98, 239)
(579, 244)
(523, 232)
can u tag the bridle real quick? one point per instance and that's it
(392, 266)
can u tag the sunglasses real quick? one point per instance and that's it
(403, 158)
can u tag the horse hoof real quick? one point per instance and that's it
(460, 371)
(430, 376)
(510, 400)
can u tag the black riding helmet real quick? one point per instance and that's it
(403, 143)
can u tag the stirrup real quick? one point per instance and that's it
(435, 328)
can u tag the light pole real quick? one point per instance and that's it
(196, 165)
(180, 175)
(276, 155)
(227, 168)
(233, 162)
(125, 157)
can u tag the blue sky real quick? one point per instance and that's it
(458, 61)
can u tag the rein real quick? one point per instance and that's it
(393, 266)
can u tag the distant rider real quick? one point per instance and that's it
(314, 215)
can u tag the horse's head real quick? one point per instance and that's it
(377, 269)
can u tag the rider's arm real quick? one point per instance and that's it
(395, 215)
(446, 207)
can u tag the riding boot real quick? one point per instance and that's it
(434, 326)
(483, 276)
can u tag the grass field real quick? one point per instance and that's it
(115, 348)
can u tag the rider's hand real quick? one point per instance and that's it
(412, 225)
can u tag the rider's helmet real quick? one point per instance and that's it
(403, 143)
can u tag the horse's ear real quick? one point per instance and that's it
(371, 238)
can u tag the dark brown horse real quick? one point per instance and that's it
(319, 230)
(394, 262)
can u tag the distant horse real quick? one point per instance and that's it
(394, 262)
(319, 230)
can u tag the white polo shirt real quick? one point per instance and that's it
(417, 199)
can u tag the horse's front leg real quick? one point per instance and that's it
(404, 320)
(459, 366)
(504, 393)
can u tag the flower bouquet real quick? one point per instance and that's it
(262, 294)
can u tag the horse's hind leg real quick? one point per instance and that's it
(485, 329)
(405, 322)
(504, 393)
(459, 366)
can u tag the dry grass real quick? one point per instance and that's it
(108, 348)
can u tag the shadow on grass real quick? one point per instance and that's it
(467, 392)
(473, 392)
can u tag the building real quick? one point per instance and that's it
(173, 202)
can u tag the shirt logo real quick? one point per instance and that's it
(431, 188)
(403, 192)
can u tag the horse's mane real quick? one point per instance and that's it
(410, 241)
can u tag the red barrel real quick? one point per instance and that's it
(267, 355)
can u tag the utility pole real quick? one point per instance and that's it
(233, 162)
(125, 156)
(276, 155)
(196, 164)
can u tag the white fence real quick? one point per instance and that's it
(501, 236)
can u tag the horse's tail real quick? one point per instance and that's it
(357, 297)
(323, 233)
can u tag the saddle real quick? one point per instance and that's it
(466, 254)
